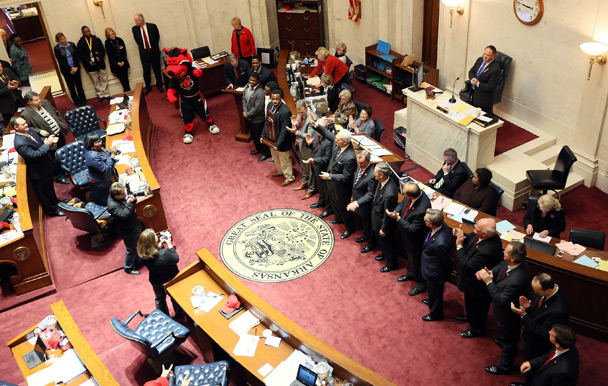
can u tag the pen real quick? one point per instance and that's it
(255, 332)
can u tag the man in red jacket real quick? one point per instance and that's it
(329, 64)
(243, 45)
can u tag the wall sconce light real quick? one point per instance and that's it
(453, 5)
(99, 3)
(597, 54)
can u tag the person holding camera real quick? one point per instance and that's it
(100, 164)
(128, 226)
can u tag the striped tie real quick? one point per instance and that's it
(49, 120)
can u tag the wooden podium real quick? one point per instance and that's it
(270, 139)
(243, 135)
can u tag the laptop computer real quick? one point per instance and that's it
(305, 377)
(37, 355)
(540, 246)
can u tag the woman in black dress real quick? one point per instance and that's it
(160, 257)
(546, 217)
(117, 56)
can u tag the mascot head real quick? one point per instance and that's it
(178, 62)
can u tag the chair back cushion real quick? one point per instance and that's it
(82, 120)
(201, 52)
(588, 238)
(156, 327)
(360, 105)
(200, 375)
(498, 191)
(379, 129)
(564, 161)
(71, 157)
(504, 62)
(349, 88)
(80, 218)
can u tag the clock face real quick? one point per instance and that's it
(528, 11)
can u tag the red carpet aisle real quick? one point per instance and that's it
(40, 56)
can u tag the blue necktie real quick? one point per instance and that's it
(483, 65)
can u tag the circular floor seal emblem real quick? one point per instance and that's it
(277, 245)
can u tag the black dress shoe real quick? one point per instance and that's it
(346, 234)
(467, 334)
(361, 239)
(160, 89)
(415, 291)
(324, 214)
(62, 180)
(497, 370)
(366, 249)
(254, 152)
(379, 258)
(263, 158)
(430, 318)
(57, 213)
(315, 205)
(405, 277)
(147, 90)
(499, 342)
(425, 301)
(132, 271)
(334, 221)
(100, 99)
(385, 269)
(461, 318)
(517, 384)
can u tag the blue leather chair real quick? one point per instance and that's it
(202, 375)
(156, 336)
(85, 218)
(84, 120)
(71, 158)
(2, 383)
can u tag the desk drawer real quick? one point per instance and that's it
(304, 47)
(298, 21)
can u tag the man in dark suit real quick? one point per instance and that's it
(547, 306)
(69, 65)
(265, 74)
(451, 176)
(560, 366)
(484, 76)
(92, 53)
(339, 176)
(236, 72)
(321, 152)
(35, 151)
(9, 91)
(128, 226)
(479, 249)
(410, 219)
(505, 283)
(147, 37)
(302, 124)
(364, 187)
(436, 262)
(280, 151)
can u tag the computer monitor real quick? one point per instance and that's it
(417, 78)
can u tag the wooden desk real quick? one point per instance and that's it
(149, 208)
(243, 135)
(393, 159)
(96, 369)
(214, 330)
(26, 255)
(430, 132)
(582, 285)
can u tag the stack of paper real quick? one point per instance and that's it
(68, 367)
(454, 208)
(245, 322)
(441, 202)
(513, 235)
(504, 226)
(586, 261)
(117, 116)
(287, 370)
(246, 345)
(573, 249)
(546, 239)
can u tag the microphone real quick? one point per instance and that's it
(453, 99)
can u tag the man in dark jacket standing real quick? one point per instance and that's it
(122, 209)
(69, 65)
(147, 37)
(280, 151)
(92, 53)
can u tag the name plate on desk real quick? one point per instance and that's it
(270, 139)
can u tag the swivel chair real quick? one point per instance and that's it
(498, 191)
(588, 238)
(352, 90)
(359, 105)
(201, 52)
(156, 336)
(202, 375)
(504, 62)
(546, 180)
(71, 158)
(84, 120)
(93, 219)
(379, 129)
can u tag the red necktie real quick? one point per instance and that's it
(540, 302)
(407, 208)
(146, 41)
(32, 138)
(504, 272)
(549, 359)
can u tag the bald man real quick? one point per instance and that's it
(476, 250)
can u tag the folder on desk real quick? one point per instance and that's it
(485, 121)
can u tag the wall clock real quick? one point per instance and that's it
(528, 12)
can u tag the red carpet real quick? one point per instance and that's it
(210, 185)
(509, 136)
(41, 57)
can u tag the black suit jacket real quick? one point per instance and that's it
(539, 320)
(472, 257)
(507, 288)
(125, 218)
(243, 71)
(97, 50)
(36, 155)
(282, 119)
(342, 168)
(265, 75)
(8, 97)
(561, 371)
(384, 198)
(413, 230)
(36, 122)
(488, 80)
(453, 180)
(333, 97)
(436, 262)
(321, 151)
(554, 221)
(365, 187)
(117, 52)
(62, 58)
(153, 38)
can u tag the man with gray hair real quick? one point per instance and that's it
(479, 249)
(451, 176)
(339, 176)
(436, 262)
(147, 37)
(302, 125)
(364, 188)
(42, 117)
(236, 72)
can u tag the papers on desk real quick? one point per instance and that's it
(117, 116)
(365, 141)
(513, 235)
(603, 265)
(315, 81)
(8, 142)
(374, 158)
(9, 236)
(123, 159)
(115, 128)
(239, 89)
(504, 226)
(209, 61)
(42, 377)
(586, 261)
(117, 100)
(265, 370)
(246, 345)
(546, 239)
(287, 370)
(381, 152)
(273, 341)
(571, 248)
(454, 208)
(126, 147)
(211, 301)
(441, 202)
(245, 322)
(68, 367)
